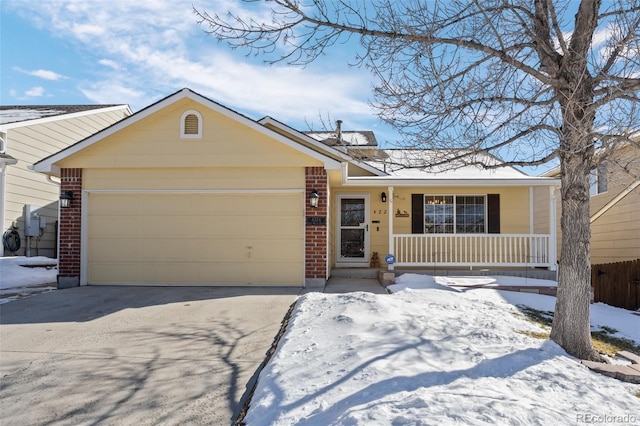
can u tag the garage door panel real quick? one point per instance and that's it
(109, 250)
(110, 204)
(191, 239)
(276, 227)
(280, 251)
(221, 204)
(222, 250)
(271, 274)
(225, 226)
(167, 205)
(117, 273)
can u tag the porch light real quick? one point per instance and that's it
(313, 198)
(65, 200)
(383, 197)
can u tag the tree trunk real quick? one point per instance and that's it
(571, 321)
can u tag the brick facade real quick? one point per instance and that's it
(70, 220)
(316, 236)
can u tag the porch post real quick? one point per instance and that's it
(531, 210)
(390, 189)
(532, 250)
(553, 231)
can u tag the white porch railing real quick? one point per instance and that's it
(522, 250)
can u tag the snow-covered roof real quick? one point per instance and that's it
(349, 138)
(19, 113)
(439, 164)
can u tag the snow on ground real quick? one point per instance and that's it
(17, 280)
(601, 315)
(437, 351)
(433, 355)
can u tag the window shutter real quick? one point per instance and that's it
(417, 213)
(493, 213)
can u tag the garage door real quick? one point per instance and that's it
(196, 239)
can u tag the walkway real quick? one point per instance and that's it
(627, 373)
(338, 285)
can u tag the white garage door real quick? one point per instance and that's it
(192, 239)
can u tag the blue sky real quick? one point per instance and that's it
(136, 52)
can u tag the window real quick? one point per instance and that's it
(448, 214)
(191, 125)
(598, 182)
(438, 214)
(455, 214)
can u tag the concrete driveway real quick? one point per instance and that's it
(133, 355)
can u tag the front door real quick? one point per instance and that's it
(353, 230)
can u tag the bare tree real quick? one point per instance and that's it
(527, 80)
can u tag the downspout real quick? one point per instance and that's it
(390, 210)
(2, 203)
(553, 231)
(5, 160)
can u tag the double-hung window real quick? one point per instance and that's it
(455, 214)
(598, 182)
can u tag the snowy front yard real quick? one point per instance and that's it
(22, 276)
(434, 355)
(427, 354)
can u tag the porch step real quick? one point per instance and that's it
(371, 273)
(541, 274)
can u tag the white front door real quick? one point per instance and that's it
(353, 230)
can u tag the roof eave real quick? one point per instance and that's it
(8, 126)
(386, 181)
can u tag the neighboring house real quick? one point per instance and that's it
(615, 207)
(29, 200)
(190, 192)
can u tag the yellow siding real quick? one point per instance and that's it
(615, 236)
(30, 144)
(155, 142)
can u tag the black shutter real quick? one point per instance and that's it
(493, 213)
(417, 213)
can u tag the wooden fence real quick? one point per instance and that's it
(617, 284)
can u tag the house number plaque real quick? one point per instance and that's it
(316, 220)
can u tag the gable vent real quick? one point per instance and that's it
(191, 125)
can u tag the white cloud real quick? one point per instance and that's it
(83, 31)
(111, 64)
(113, 92)
(35, 91)
(13, 93)
(156, 47)
(44, 74)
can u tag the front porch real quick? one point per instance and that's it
(493, 249)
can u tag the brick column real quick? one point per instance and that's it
(316, 235)
(70, 219)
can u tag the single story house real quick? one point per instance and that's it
(29, 200)
(190, 192)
